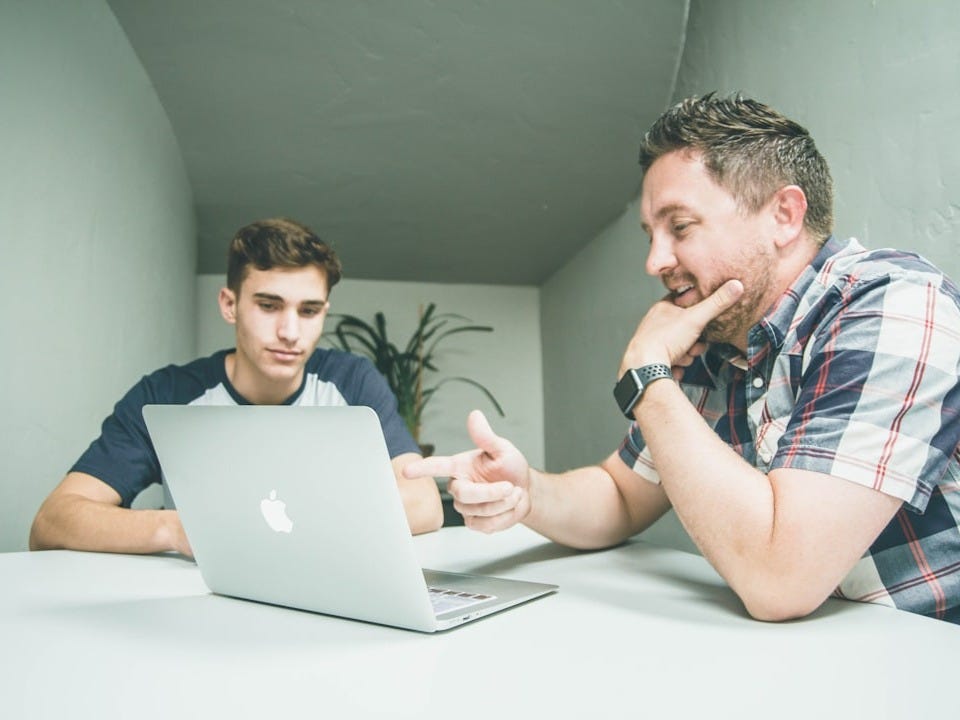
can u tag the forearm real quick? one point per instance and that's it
(726, 505)
(583, 508)
(421, 502)
(783, 540)
(420, 496)
(77, 523)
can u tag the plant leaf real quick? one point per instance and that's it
(468, 381)
(402, 370)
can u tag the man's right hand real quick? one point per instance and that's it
(176, 536)
(490, 485)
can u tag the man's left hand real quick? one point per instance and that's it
(671, 335)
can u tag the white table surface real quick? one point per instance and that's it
(637, 631)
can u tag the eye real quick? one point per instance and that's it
(680, 229)
(268, 306)
(309, 312)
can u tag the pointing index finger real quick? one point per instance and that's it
(438, 466)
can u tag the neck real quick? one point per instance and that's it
(256, 388)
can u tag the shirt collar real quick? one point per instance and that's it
(769, 333)
(776, 323)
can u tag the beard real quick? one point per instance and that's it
(731, 326)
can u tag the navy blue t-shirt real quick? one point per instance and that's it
(123, 456)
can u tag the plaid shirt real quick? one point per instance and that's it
(854, 373)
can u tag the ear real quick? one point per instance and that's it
(228, 305)
(789, 208)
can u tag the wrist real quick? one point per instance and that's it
(633, 383)
(654, 396)
(534, 491)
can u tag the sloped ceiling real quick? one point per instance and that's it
(446, 141)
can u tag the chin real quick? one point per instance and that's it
(720, 332)
(281, 373)
(287, 371)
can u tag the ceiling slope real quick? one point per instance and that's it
(455, 141)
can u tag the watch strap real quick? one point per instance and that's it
(656, 371)
(632, 385)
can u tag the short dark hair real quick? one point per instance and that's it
(279, 242)
(749, 149)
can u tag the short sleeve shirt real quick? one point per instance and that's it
(854, 373)
(123, 456)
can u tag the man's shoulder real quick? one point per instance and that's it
(846, 276)
(330, 363)
(853, 264)
(332, 373)
(182, 383)
(865, 295)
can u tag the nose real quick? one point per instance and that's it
(660, 257)
(288, 326)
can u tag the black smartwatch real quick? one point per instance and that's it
(630, 389)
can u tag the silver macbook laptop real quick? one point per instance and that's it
(298, 506)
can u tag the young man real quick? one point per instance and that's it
(794, 397)
(279, 279)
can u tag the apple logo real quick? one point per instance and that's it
(275, 513)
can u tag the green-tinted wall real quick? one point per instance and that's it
(97, 240)
(877, 85)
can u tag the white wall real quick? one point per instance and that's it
(875, 83)
(507, 361)
(98, 241)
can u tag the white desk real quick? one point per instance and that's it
(637, 631)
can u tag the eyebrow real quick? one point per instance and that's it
(278, 298)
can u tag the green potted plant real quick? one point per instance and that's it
(404, 367)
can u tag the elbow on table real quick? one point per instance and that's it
(434, 520)
(39, 535)
(774, 606)
(427, 518)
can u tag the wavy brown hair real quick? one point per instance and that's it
(279, 243)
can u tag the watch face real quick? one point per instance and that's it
(627, 391)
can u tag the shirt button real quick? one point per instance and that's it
(758, 382)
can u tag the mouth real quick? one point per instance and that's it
(683, 295)
(285, 355)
